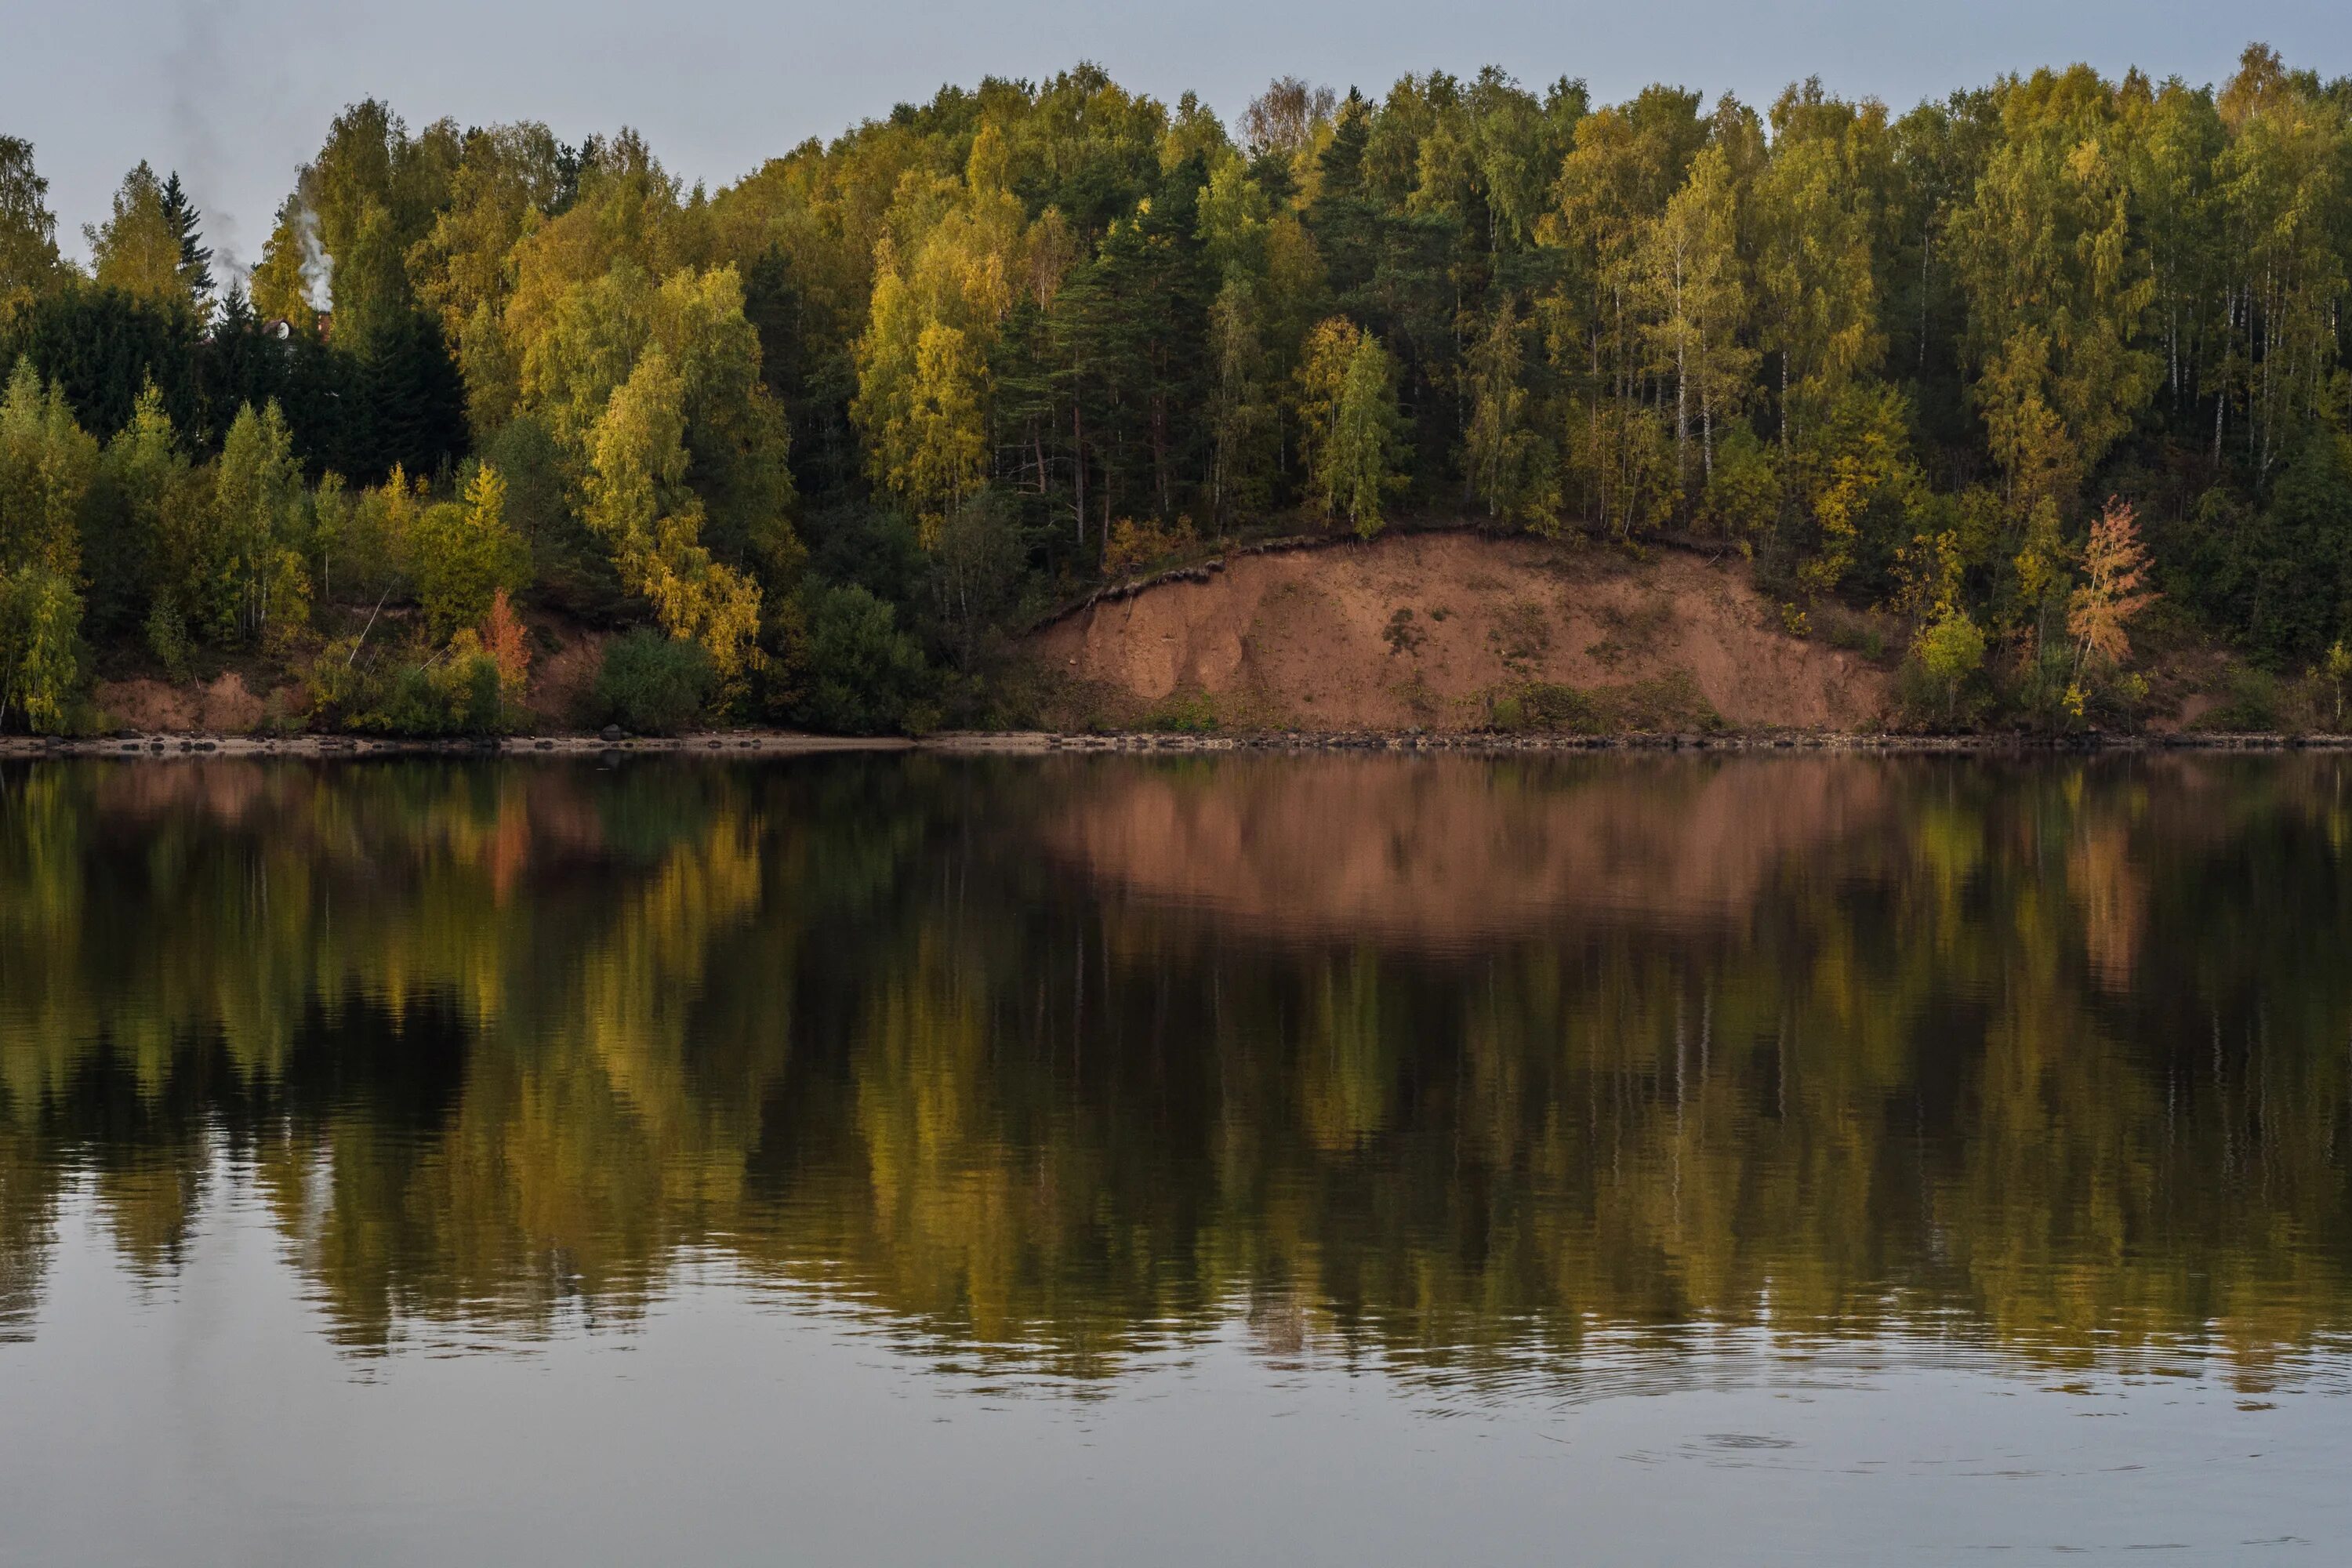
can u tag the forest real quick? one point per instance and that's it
(2035, 372)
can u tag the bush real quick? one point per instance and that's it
(864, 675)
(40, 649)
(1134, 545)
(464, 556)
(653, 684)
(2253, 700)
(1743, 498)
(1945, 658)
(459, 693)
(1841, 628)
(167, 636)
(1189, 713)
(2042, 690)
(1670, 703)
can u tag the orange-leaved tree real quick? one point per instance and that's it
(2115, 564)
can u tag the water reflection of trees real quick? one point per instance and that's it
(1062, 1055)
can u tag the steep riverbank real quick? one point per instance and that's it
(739, 743)
(1435, 640)
(1451, 632)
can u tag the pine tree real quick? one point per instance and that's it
(195, 257)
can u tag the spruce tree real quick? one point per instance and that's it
(195, 257)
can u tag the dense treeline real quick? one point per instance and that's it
(2003, 366)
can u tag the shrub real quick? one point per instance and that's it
(1743, 497)
(2253, 700)
(1521, 632)
(1134, 545)
(1402, 635)
(464, 556)
(2043, 690)
(864, 675)
(167, 636)
(653, 684)
(457, 693)
(1855, 633)
(1187, 713)
(40, 649)
(1945, 658)
(1669, 703)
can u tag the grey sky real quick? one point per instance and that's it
(235, 93)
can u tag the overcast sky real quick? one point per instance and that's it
(235, 93)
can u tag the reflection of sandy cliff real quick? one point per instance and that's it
(1442, 851)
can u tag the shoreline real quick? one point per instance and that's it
(742, 743)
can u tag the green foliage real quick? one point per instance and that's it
(2333, 674)
(1186, 713)
(1352, 432)
(48, 470)
(865, 676)
(1743, 496)
(2252, 699)
(654, 685)
(2044, 691)
(1900, 362)
(40, 647)
(1134, 546)
(1512, 468)
(973, 581)
(2280, 576)
(258, 589)
(463, 554)
(167, 636)
(28, 230)
(138, 250)
(1669, 704)
(459, 690)
(457, 697)
(640, 505)
(1855, 477)
(1946, 657)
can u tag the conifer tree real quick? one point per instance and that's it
(195, 257)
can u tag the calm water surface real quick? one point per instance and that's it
(1347, 1160)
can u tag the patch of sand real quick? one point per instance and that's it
(1317, 639)
(229, 709)
(225, 707)
(153, 707)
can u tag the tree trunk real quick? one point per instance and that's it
(1706, 433)
(1681, 379)
(1784, 400)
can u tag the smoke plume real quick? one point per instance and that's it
(317, 267)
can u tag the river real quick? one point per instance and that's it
(1353, 1160)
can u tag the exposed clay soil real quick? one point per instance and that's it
(223, 707)
(1316, 639)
